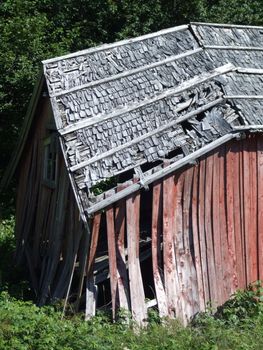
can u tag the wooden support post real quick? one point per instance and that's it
(168, 245)
(112, 258)
(90, 287)
(122, 277)
(138, 307)
(156, 248)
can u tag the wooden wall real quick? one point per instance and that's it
(206, 235)
(201, 228)
(48, 228)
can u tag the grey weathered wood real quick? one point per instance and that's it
(161, 173)
(224, 25)
(248, 127)
(169, 92)
(129, 72)
(243, 97)
(243, 48)
(147, 135)
(249, 70)
(138, 307)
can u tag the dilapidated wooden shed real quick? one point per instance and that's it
(140, 172)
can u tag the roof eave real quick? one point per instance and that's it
(8, 174)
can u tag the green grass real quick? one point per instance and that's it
(239, 325)
(24, 326)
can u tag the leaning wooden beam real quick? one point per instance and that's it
(156, 248)
(138, 307)
(161, 173)
(122, 277)
(90, 287)
(112, 258)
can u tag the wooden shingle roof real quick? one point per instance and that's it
(173, 94)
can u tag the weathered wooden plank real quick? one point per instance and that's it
(242, 210)
(253, 236)
(156, 245)
(90, 287)
(195, 228)
(170, 274)
(181, 268)
(223, 225)
(232, 48)
(112, 258)
(122, 277)
(201, 229)
(247, 208)
(217, 227)
(260, 205)
(189, 280)
(138, 307)
(230, 213)
(237, 213)
(213, 287)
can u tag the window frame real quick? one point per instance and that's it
(50, 166)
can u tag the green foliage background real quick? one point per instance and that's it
(238, 325)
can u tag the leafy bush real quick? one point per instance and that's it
(25, 326)
(12, 278)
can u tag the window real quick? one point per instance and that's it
(50, 160)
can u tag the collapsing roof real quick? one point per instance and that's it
(173, 94)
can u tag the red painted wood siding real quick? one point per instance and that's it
(207, 222)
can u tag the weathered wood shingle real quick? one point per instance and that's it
(167, 94)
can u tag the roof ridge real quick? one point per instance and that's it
(225, 25)
(118, 43)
